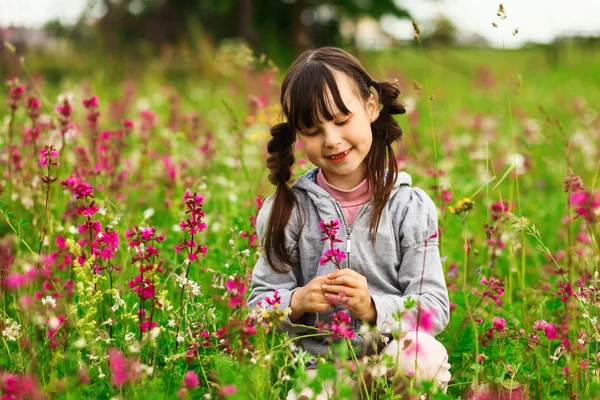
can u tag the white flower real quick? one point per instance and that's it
(80, 343)
(285, 378)
(253, 360)
(180, 339)
(171, 323)
(207, 396)
(267, 357)
(134, 348)
(129, 337)
(53, 323)
(155, 332)
(148, 213)
(245, 252)
(12, 331)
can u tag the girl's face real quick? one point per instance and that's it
(339, 147)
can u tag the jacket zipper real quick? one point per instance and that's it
(349, 241)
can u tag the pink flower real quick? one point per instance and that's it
(227, 390)
(276, 300)
(550, 331)
(148, 326)
(340, 327)
(117, 363)
(332, 254)
(498, 323)
(236, 288)
(425, 316)
(92, 102)
(190, 380)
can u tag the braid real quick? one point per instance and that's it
(280, 162)
(385, 131)
(281, 154)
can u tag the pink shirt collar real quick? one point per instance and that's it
(347, 198)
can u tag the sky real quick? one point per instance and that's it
(537, 20)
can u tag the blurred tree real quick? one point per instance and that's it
(444, 32)
(280, 28)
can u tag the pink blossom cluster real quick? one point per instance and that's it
(48, 156)
(236, 290)
(586, 205)
(122, 369)
(550, 330)
(495, 289)
(143, 241)
(190, 382)
(14, 94)
(192, 226)
(340, 326)
(420, 319)
(13, 387)
(330, 229)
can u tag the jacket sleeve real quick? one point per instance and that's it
(420, 276)
(265, 280)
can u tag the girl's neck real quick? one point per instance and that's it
(344, 191)
(345, 182)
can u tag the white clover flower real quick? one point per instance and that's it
(12, 332)
(80, 343)
(129, 337)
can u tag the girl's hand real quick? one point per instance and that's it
(309, 298)
(351, 289)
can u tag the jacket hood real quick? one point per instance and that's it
(307, 183)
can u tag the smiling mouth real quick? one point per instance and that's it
(339, 155)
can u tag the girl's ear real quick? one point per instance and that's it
(373, 108)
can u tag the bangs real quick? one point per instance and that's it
(313, 97)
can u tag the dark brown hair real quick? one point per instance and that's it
(304, 100)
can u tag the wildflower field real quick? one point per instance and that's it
(128, 210)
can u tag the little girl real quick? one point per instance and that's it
(388, 229)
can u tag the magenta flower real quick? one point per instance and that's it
(498, 323)
(91, 102)
(585, 204)
(227, 390)
(550, 331)
(335, 255)
(48, 156)
(190, 380)
(117, 363)
(539, 325)
(236, 288)
(330, 229)
(340, 327)
(276, 300)
(421, 319)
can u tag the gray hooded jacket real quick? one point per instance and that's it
(404, 262)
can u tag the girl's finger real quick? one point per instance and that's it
(344, 280)
(338, 289)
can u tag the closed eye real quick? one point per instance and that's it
(343, 122)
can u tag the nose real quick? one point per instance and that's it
(332, 136)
